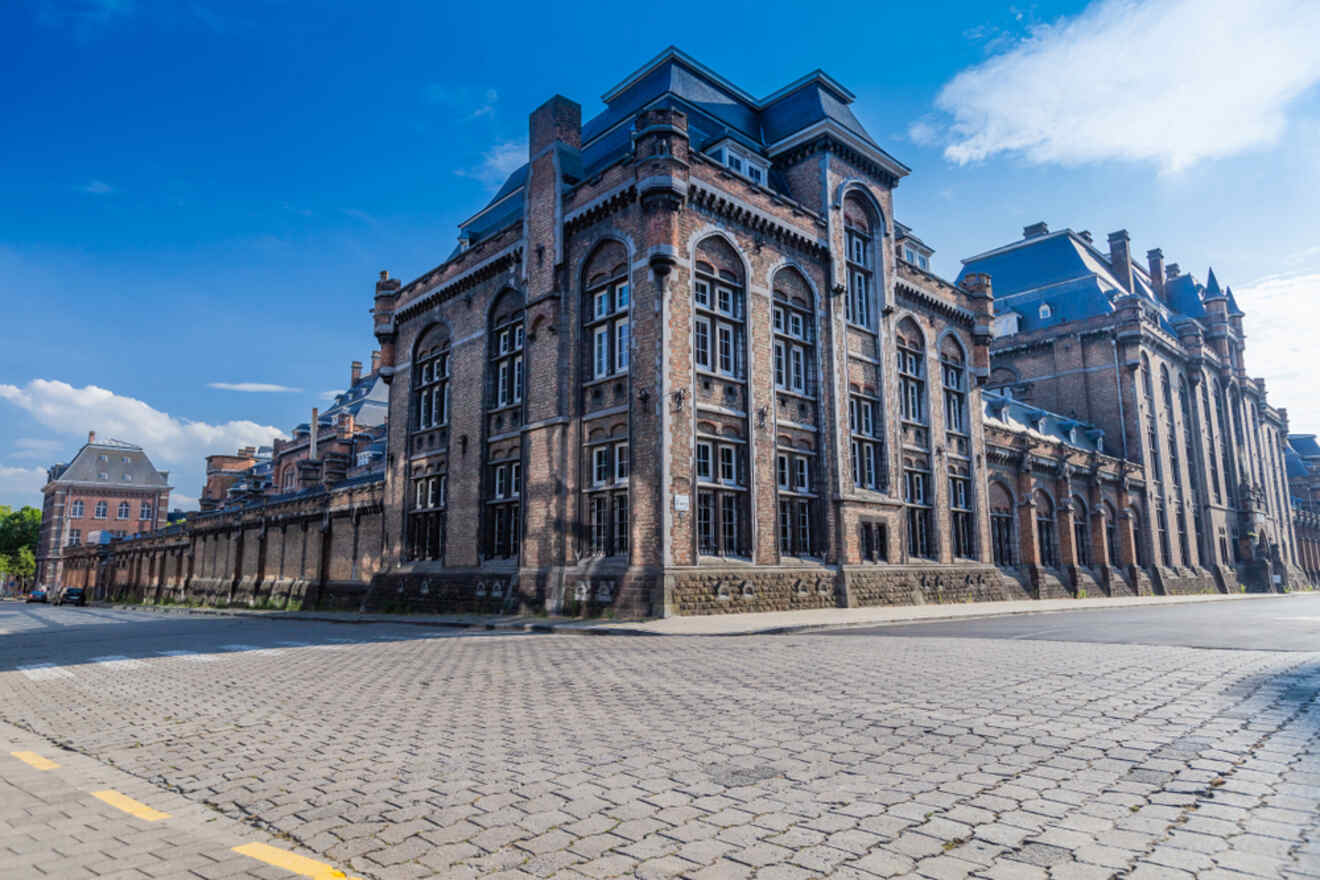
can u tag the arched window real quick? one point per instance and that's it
(1111, 533)
(797, 466)
(503, 477)
(1226, 445)
(1152, 430)
(1216, 484)
(1045, 535)
(606, 310)
(1139, 545)
(720, 356)
(1172, 426)
(76, 510)
(1162, 528)
(918, 493)
(101, 510)
(860, 229)
(1081, 532)
(953, 376)
(146, 511)
(427, 521)
(122, 511)
(1001, 526)
(1045, 311)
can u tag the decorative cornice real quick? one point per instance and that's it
(925, 298)
(722, 204)
(471, 278)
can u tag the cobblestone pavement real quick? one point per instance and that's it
(440, 754)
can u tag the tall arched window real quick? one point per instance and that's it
(1111, 533)
(1001, 526)
(503, 476)
(1226, 445)
(719, 355)
(1152, 432)
(958, 444)
(918, 493)
(1216, 484)
(607, 463)
(1045, 534)
(428, 446)
(1162, 528)
(122, 511)
(1081, 531)
(101, 510)
(860, 233)
(1139, 546)
(1172, 426)
(797, 466)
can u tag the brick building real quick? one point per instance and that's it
(109, 487)
(687, 361)
(225, 471)
(1156, 359)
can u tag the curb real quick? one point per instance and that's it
(586, 629)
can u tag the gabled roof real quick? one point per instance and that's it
(124, 465)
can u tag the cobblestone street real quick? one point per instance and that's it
(392, 751)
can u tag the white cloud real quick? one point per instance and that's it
(497, 163)
(330, 395)
(249, 386)
(180, 501)
(178, 443)
(96, 188)
(35, 447)
(1276, 307)
(471, 103)
(1173, 82)
(20, 486)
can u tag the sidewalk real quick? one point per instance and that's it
(762, 623)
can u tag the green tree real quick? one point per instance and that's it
(19, 528)
(25, 564)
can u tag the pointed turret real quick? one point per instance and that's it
(1233, 309)
(1212, 290)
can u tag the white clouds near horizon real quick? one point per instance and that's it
(1278, 310)
(168, 440)
(1172, 82)
(497, 163)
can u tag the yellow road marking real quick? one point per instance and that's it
(32, 759)
(130, 806)
(282, 858)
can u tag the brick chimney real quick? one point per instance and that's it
(558, 119)
(1120, 258)
(355, 372)
(387, 297)
(1171, 271)
(1155, 260)
(979, 290)
(1085, 235)
(311, 446)
(91, 436)
(1035, 230)
(375, 362)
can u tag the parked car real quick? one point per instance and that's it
(37, 595)
(71, 596)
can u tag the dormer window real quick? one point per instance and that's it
(743, 163)
(1045, 311)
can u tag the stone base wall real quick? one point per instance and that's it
(1050, 584)
(1184, 582)
(747, 589)
(930, 585)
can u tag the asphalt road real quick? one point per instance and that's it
(1283, 623)
(394, 752)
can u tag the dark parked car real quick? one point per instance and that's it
(37, 595)
(71, 596)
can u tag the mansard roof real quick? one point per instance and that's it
(1305, 444)
(125, 466)
(716, 110)
(1002, 411)
(1066, 272)
(367, 400)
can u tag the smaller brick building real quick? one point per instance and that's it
(108, 487)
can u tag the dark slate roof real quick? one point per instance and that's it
(716, 109)
(1294, 463)
(124, 465)
(367, 400)
(1003, 411)
(1062, 270)
(1305, 444)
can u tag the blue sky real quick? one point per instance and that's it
(197, 194)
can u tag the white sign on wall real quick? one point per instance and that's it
(682, 503)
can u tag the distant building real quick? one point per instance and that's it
(110, 488)
(223, 471)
